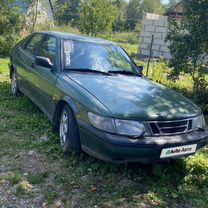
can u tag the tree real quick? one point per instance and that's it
(134, 14)
(97, 16)
(10, 24)
(171, 4)
(34, 13)
(66, 12)
(189, 43)
(120, 12)
(38, 14)
(136, 9)
(155, 6)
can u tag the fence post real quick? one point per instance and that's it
(150, 55)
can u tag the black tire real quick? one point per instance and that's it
(71, 141)
(14, 85)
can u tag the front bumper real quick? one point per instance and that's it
(117, 148)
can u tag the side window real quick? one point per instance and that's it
(48, 48)
(24, 41)
(33, 44)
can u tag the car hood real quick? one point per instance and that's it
(130, 97)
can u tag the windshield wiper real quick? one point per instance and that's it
(124, 72)
(88, 70)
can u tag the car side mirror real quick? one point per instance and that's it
(44, 62)
(140, 68)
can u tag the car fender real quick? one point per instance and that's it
(59, 105)
(12, 68)
(71, 104)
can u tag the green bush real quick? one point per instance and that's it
(123, 37)
(7, 42)
(3, 66)
(66, 28)
(188, 44)
(62, 28)
(10, 26)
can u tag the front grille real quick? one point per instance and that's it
(170, 127)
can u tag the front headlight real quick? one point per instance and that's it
(102, 123)
(116, 126)
(131, 128)
(198, 122)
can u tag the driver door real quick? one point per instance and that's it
(47, 77)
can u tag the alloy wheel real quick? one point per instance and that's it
(63, 128)
(14, 84)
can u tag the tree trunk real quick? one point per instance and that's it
(35, 15)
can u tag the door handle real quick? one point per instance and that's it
(33, 65)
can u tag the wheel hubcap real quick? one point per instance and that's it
(14, 84)
(63, 128)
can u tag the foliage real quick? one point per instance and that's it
(10, 24)
(120, 11)
(66, 12)
(189, 44)
(32, 15)
(62, 28)
(134, 14)
(124, 16)
(37, 15)
(66, 29)
(93, 16)
(97, 16)
(172, 4)
(3, 65)
(155, 6)
(136, 9)
(122, 37)
(131, 49)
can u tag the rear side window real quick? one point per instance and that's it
(48, 48)
(33, 44)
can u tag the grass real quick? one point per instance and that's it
(82, 180)
(37, 178)
(13, 178)
(50, 196)
(3, 65)
(122, 37)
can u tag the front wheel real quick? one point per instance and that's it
(14, 85)
(68, 131)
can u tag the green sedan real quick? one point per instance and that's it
(99, 101)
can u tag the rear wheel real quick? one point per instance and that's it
(14, 85)
(68, 131)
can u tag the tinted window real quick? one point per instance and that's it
(33, 44)
(48, 48)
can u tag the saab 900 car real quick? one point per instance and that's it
(100, 102)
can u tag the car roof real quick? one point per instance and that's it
(72, 36)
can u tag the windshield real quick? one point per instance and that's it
(80, 55)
